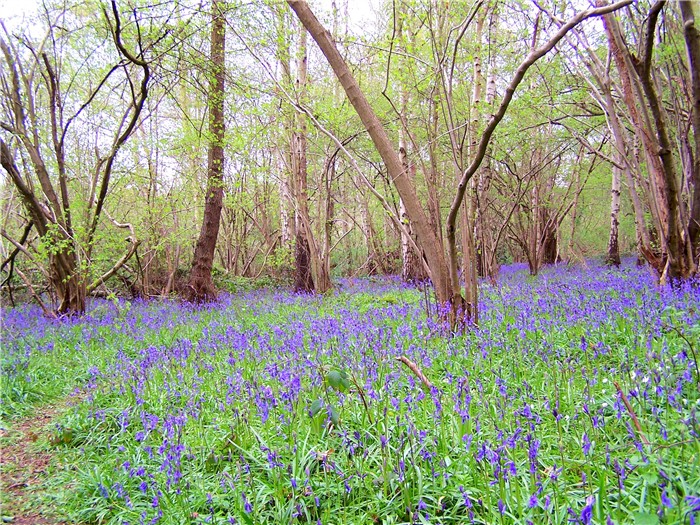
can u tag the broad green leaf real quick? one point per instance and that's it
(335, 418)
(316, 407)
(338, 379)
(645, 518)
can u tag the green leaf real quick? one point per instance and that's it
(650, 478)
(335, 418)
(644, 518)
(316, 407)
(338, 379)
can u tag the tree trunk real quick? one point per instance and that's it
(303, 277)
(613, 256)
(412, 270)
(692, 44)
(68, 284)
(675, 262)
(427, 238)
(201, 286)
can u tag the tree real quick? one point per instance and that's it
(613, 255)
(444, 271)
(201, 286)
(674, 256)
(44, 109)
(692, 42)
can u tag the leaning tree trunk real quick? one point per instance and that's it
(201, 286)
(427, 238)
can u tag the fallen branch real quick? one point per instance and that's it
(414, 368)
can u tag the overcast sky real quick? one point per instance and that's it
(360, 12)
(16, 8)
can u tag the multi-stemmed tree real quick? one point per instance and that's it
(48, 111)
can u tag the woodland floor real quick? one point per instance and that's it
(25, 465)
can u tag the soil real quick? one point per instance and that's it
(25, 465)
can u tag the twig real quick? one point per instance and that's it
(635, 421)
(414, 368)
(361, 391)
(46, 310)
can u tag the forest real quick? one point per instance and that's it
(378, 261)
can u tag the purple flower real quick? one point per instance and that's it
(586, 444)
(246, 504)
(693, 502)
(665, 501)
(587, 512)
(532, 503)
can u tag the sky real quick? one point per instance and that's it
(12, 8)
(361, 12)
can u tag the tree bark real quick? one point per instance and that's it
(613, 256)
(201, 286)
(427, 238)
(692, 44)
(650, 122)
(303, 277)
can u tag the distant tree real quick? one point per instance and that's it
(612, 256)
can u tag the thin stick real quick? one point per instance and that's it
(46, 310)
(361, 391)
(414, 368)
(635, 421)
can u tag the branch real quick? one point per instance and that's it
(47, 311)
(510, 91)
(114, 269)
(31, 203)
(137, 108)
(534, 55)
(647, 50)
(630, 411)
(414, 368)
(18, 246)
(11, 258)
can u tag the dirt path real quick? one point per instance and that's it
(25, 464)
